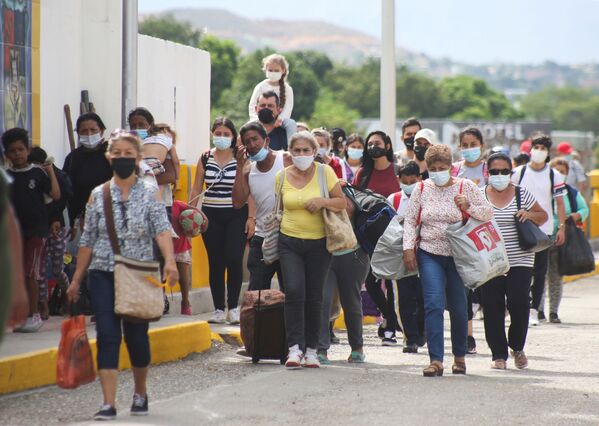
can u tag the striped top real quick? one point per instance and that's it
(507, 225)
(219, 183)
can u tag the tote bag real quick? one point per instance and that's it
(272, 226)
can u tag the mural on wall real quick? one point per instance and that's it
(15, 66)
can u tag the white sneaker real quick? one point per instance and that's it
(32, 325)
(294, 359)
(311, 359)
(234, 316)
(533, 318)
(218, 317)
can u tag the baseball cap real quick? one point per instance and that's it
(526, 146)
(427, 134)
(564, 148)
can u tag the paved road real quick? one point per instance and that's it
(560, 388)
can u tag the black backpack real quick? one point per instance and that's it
(371, 216)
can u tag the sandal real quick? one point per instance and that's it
(458, 367)
(356, 357)
(435, 369)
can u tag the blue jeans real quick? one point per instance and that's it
(108, 326)
(442, 287)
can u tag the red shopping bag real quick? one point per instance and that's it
(75, 364)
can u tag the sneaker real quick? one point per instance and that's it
(356, 357)
(520, 360)
(186, 310)
(541, 316)
(471, 346)
(554, 319)
(533, 318)
(323, 357)
(234, 316)
(32, 325)
(311, 359)
(498, 364)
(389, 339)
(410, 348)
(107, 412)
(294, 359)
(382, 328)
(421, 341)
(218, 317)
(139, 406)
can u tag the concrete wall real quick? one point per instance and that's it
(81, 50)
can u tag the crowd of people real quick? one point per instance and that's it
(272, 162)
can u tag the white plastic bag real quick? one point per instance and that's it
(387, 258)
(478, 251)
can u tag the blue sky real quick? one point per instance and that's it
(473, 31)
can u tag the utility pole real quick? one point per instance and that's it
(388, 98)
(129, 66)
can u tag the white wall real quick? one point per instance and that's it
(174, 84)
(81, 50)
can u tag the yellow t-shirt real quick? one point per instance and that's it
(298, 222)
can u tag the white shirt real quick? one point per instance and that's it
(262, 189)
(265, 86)
(403, 204)
(538, 184)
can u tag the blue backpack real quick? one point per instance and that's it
(371, 216)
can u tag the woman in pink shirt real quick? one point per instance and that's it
(435, 204)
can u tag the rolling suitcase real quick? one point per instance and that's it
(263, 325)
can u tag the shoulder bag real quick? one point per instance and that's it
(530, 236)
(337, 226)
(137, 290)
(272, 226)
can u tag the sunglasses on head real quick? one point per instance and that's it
(495, 172)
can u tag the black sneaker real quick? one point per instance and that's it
(107, 412)
(139, 406)
(554, 319)
(382, 328)
(471, 348)
(389, 339)
(541, 316)
(411, 348)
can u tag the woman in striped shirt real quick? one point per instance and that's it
(226, 234)
(515, 285)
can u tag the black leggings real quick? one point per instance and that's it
(225, 242)
(384, 303)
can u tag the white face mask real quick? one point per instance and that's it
(274, 76)
(439, 178)
(538, 156)
(90, 141)
(407, 189)
(322, 152)
(302, 162)
(499, 182)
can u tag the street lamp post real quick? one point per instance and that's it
(388, 98)
(129, 66)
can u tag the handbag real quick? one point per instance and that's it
(575, 256)
(337, 226)
(387, 260)
(272, 226)
(478, 250)
(137, 291)
(75, 362)
(530, 236)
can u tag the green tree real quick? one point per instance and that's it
(418, 95)
(329, 112)
(224, 57)
(167, 27)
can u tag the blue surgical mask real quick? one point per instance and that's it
(439, 178)
(499, 182)
(221, 142)
(355, 153)
(568, 157)
(471, 154)
(260, 155)
(407, 189)
(142, 133)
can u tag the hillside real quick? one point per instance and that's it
(351, 46)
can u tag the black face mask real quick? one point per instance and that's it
(409, 143)
(123, 166)
(420, 151)
(376, 152)
(266, 116)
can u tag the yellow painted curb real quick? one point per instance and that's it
(577, 277)
(216, 337)
(232, 335)
(340, 321)
(36, 369)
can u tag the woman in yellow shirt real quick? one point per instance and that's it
(302, 247)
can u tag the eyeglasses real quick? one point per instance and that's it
(495, 172)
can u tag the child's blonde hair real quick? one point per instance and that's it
(279, 60)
